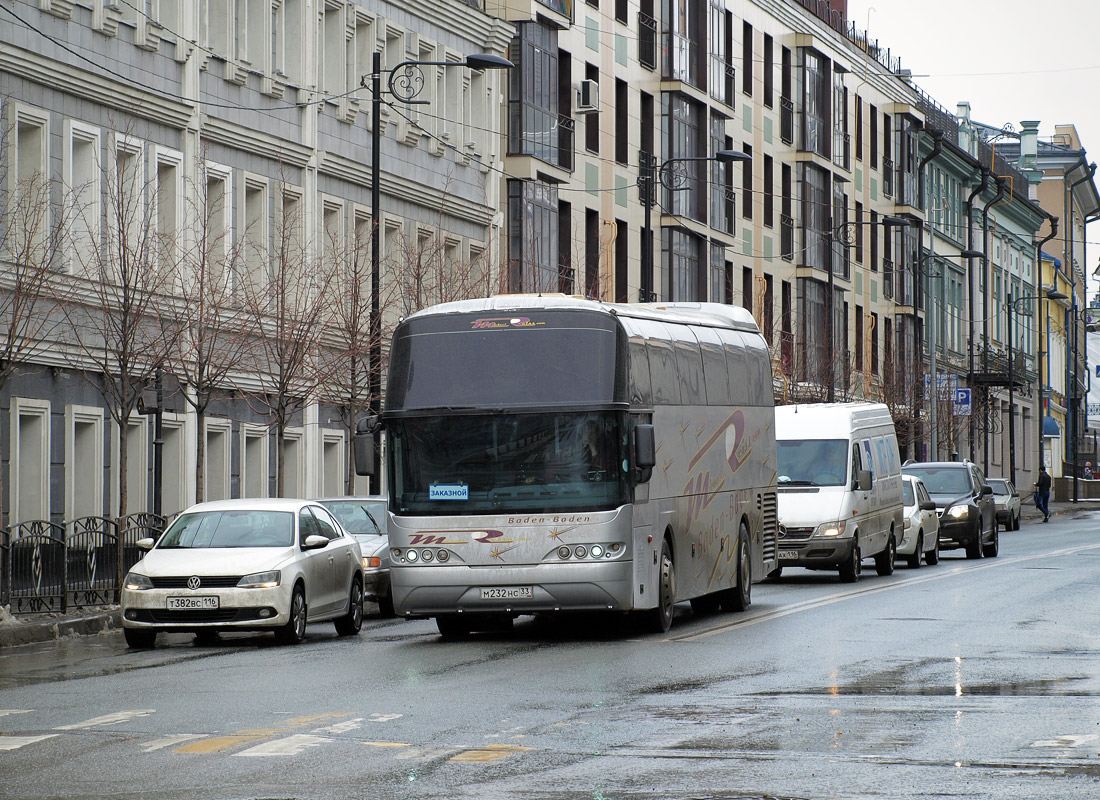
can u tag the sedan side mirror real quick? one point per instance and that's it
(987, 490)
(315, 542)
(146, 543)
(927, 505)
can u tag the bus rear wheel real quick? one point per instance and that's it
(659, 619)
(740, 596)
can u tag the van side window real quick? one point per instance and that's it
(870, 462)
(857, 461)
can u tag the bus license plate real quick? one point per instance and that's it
(788, 555)
(507, 593)
(192, 603)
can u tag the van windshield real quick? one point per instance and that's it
(812, 462)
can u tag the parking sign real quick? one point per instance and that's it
(962, 402)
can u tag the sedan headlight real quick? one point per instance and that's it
(260, 580)
(136, 582)
(959, 512)
(831, 528)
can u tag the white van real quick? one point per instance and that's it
(839, 480)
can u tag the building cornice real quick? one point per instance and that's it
(256, 141)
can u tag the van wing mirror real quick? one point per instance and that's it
(645, 447)
(363, 444)
(863, 480)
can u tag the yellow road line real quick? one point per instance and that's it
(232, 741)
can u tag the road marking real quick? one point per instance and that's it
(342, 727)
(837, 597)
(107, 719)
(15, 742)
(232, 741)
(169, 741)
(383, 717)
(288, 746)
(492, 752)
(5, 711)
(1071, 740)
(388, 744)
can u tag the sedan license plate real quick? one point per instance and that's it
(507, 593)
(788, 555)
(192, 603)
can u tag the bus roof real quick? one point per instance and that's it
(710, 314)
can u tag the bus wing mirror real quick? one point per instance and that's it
(645, 449)
(863, 480)
(363, 443)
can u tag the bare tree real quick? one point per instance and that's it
(113, 304)
(285, 296)
(31, 247)
(209, 341)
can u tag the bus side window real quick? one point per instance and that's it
(690, 364)
(737, 368)
(641, 388)
(663, 373)
(715, 372)
(760, 365)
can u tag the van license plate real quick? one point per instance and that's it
(788, 555)
(192, 603)
(507, 593)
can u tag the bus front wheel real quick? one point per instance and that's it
(660, 618)
(740, 596)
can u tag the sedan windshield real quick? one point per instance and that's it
(500, 463)
(812, 462)
(950, 480)
(244, 528)
(999, 487)
(359, 516)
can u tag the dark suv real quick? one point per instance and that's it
(964, 501)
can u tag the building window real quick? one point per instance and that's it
(859, 338)
(684, 256)
(622, 249)
(874, 241)
(533, 92)
(769, 71)
(747, 289)
(747, 70)
(859, 232)
(814, 366)
(717, 272)
(532, 236)
(859, 128)
(29, 462)
(592, 118)
(873, 114)
(169, 209)
(84, 446)
(721, 179)
(685, 123)
(622, 121)
(254, 247)
(874, 343)
(592, 249)
(815, 103)
(815, 216)
(769, 193)
(685, 49)
(294, 459)
(746, 183)
(254, 461)
(137, 466)
(333, 473)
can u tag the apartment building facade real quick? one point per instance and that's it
(152, 148)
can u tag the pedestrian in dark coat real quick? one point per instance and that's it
(1042, 493)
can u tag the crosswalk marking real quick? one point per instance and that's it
(15, 742)
(169, 741)
(287, 746)
(5, 711)
(490, 752)
(388, 744)
(232, 741)
(342, 727)
(107, 719)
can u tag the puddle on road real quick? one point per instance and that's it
(1068, 686)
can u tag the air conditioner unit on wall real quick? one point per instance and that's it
(588, 96)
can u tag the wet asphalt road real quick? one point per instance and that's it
(967, 679)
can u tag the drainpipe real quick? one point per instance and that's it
(1075, 400)
(1039, 336)
(918, 273)
(985, 316)
(983, 177)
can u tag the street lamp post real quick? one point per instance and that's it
(839, 233)
(1013, 307)
(404, 83)
(671, 175)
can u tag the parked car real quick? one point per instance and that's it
(921, 526)
(1007, 500)
(245, 565)
(365, 519)
(964, 501)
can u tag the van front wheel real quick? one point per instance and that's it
(849, 571)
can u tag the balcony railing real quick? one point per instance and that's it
(566, 133)
(647, 41)
(786, 120)
(786, 236)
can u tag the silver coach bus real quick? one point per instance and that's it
(554, 454)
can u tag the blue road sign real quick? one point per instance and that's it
(962, 402)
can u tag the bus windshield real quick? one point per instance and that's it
(812, 462)
(505, 463)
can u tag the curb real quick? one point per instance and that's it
(54, 627)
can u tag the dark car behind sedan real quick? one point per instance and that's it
(964, 501)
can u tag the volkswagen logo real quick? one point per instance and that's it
(194, 582)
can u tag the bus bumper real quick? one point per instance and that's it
(427, 591)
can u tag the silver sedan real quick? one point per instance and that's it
(245, 565)
(365, 519)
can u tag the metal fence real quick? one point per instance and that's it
(51, 566)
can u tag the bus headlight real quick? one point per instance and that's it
(596, 551)
(411, 556)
